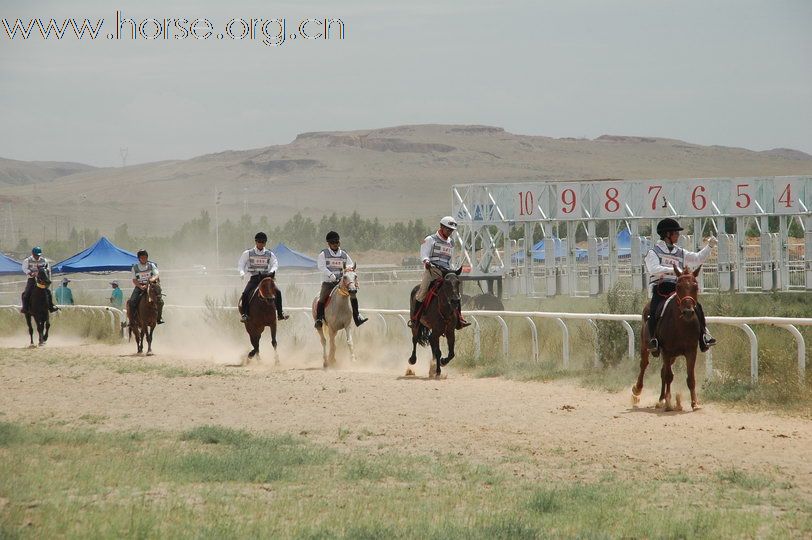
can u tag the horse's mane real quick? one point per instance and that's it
(267, 287)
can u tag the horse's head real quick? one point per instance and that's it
(267, 288)
(153, 292)
(687, 290)
(451, 287)
(349, 282)
(42, 279)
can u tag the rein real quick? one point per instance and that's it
(689, 299)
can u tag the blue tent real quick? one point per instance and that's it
(9, 266)
(538, 251)
(100, 257)
(624, 245)
(292, 259)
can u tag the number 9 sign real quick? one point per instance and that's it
(568, 203)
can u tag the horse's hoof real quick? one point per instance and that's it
(32, 346)
(635, 400)
(678, 406)
(150, 353)
(660, 404)
(695, 406)
(409, 372)
(445, 361)
(412, 360)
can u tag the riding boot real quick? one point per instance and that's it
(653, 344)
(461, 322)
(51, 307)
(160, 311)
(706, 340)
(418, 305)
(281, 315)
(23, 303)
(319, 314)
(355, 316)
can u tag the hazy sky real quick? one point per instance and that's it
(733, 73)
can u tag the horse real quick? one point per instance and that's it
(262, 313)
(678, 335)
(338, 315)
(143, 321)
(439, 317)
(38, 309)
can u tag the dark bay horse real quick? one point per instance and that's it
(678, 334)
(439, 317)
(143, 321)
(338, 316)
(38, 309)
(262, 313)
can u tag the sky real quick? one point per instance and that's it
(731, 73)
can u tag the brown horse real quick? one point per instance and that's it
(143, 321)
(678, 334)
(439, 317)
(38, 309)
(262, 313)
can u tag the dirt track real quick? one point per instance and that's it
(543, 429)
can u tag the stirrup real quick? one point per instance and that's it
(161, 321)
(244, 317)
(653, 345)
(462, 323)
(282, 316)
(53, 309)
(412, 323)
(319, 323)
(360, 320)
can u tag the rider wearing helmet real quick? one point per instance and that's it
(31, 266)
(436, 253)
(662, 280)
(260, 263)
(144, 271)
(331, 263)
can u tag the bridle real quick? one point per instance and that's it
(688, 298)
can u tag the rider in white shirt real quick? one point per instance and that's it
(144, 271)
(660, 262)
(331, 262)
(259, 263)
(31, 267)
(436, 252)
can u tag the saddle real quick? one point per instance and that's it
(432, 292)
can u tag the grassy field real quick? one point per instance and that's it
(214, 482)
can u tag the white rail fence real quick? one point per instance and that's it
(114, 316)
(744, 323)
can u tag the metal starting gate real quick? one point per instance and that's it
(555, 249)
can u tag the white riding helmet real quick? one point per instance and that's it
(449, 222)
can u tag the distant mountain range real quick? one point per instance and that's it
(395, 174)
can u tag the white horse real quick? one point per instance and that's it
(338, 315)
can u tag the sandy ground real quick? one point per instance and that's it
(542, 429)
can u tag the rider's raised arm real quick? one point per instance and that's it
(47, 268)
(273, 263)
(694, 259)
(425, 249)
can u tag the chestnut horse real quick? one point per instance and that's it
(678, 335)
(143, 321)
(38, 309)
(262, 313)
(439, 317)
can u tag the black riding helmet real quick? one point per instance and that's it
(142, 252)
(332, 236)
(260, 237)
(666, 226)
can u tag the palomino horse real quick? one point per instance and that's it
(439, 317)
(143, 321)
(338, 315)
(678, 335)
(262, 313)
(38, 309)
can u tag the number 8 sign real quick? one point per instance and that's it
(611, 199)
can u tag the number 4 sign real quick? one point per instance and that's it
(785, 195)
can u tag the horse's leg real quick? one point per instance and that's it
(690, 360)
(47, 328)
(139, 338)
(149, 330)
(436, 353)
(41, 331)
(30, 329)
(637, 389)
(450, 339)
(350, 344)
(273, 344)
(323, 340)
(254, 343)
(332, 355)
(668, 378)
(663, 377)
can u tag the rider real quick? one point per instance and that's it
(663, 282)
(260, 263)
(144, 271)
(331, 262)
(436, 252)
(31, 266)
